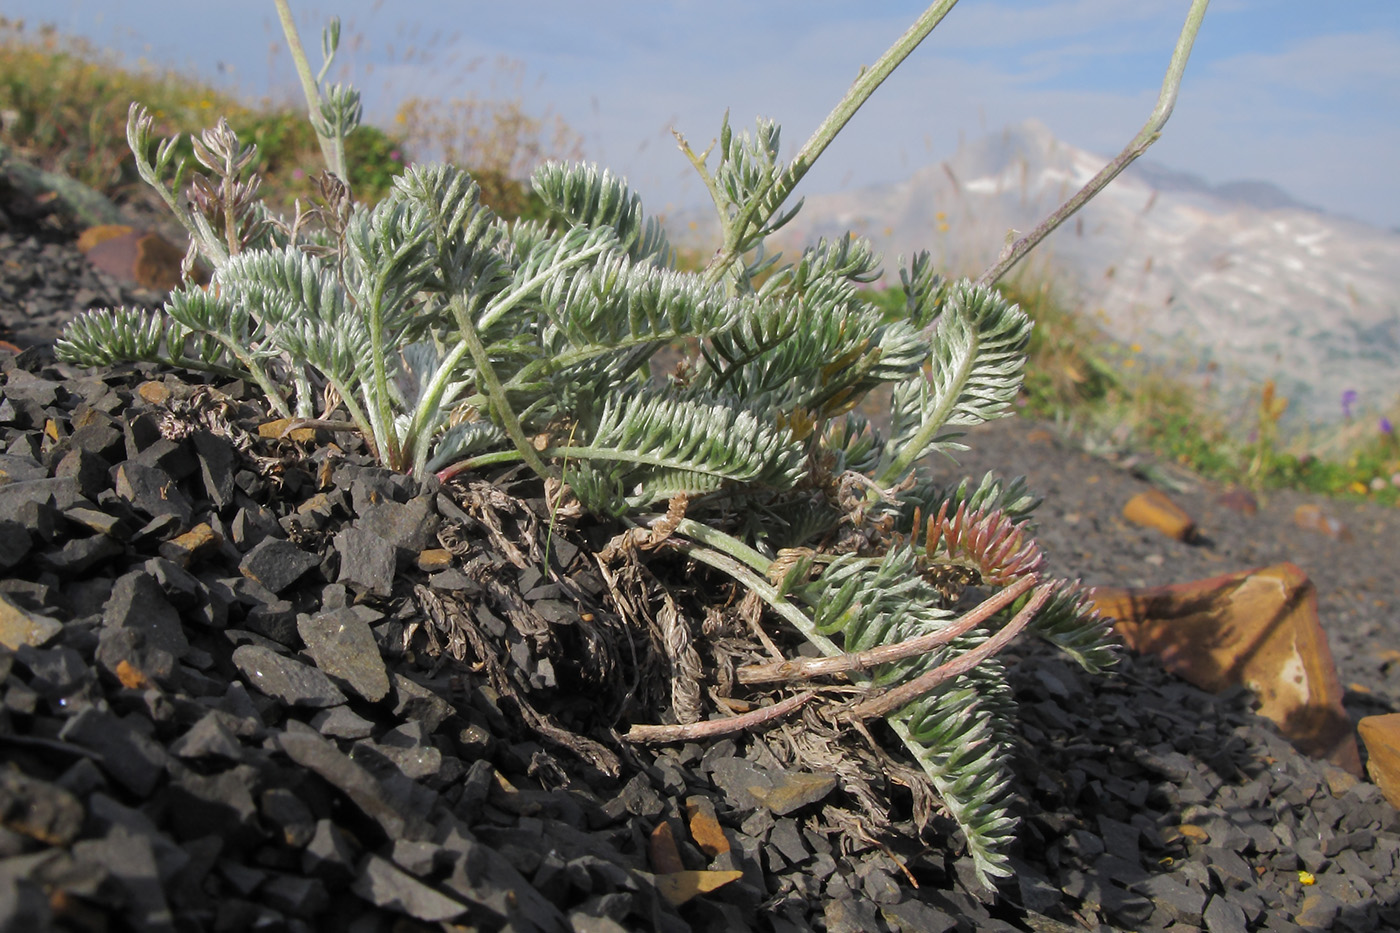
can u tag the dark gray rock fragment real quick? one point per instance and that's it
(210, 737)
(217, 458)
(295, 895)
(409, 526)
(151, 490)
(330, 854)
(412, 700)
(384, 884)
(130, 756)
(1182, 901)
(15, 543)
(308, 749)
(138, 605)
(286, 679)
(343, 647)
(276, 563)
(58, 493)
(286, 811)
(208, 804)
(1221, 916)
(341, 722)
(367, 561)
(131, 861)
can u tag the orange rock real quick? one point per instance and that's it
(1240, 500)
(157, 264)
(1381, 734)
(665, 855)
(1257, 628)
(431, 559)
(192, 545)
(704, 828)
(148, 259)
(157, 393)
(681, 886)
(1155, 510)
(278, 429)
(1312, 518)
(93, 236)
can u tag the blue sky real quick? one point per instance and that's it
(1301, 94)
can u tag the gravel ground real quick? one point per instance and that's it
(246, 728)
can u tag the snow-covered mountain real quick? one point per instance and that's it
(1238, 279)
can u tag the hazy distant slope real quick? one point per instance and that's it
(1240, 275)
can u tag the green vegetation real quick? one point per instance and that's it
(453, 340)
(63, 104)
(1106, 397)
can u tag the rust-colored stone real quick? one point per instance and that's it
(185, 549)
(1154, 509)
(665, 854)
(1257, 628)
(278, 427)
(93, 236)
(138, 256)
(704, 828)
(1313, 518)
(681, 886)
(1240, 500)
(1381, 734)
(432, 559)
(131, 677)
(157, 393)
(157, 264)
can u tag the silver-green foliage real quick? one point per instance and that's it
(452, 339)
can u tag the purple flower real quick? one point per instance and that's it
(395, 155)
(1385, 426)
(1349, 398)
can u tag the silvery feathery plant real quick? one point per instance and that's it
(453, 341)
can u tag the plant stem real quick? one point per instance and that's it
(892, 700)
(752, 581)
(808, 668)
(497, 394)
(865, 84)
(1148, 135)
(713, 728)
(309, 88)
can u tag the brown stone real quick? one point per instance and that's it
(705, 828)
(278, 428)
(93, 236)
(1154, 509)
(1313, 518)
(665, 854)
(1240, 500)
(192, 545)
(433, 559)
(681, 886)
(157, 393)
(1257, 628)
(138, 256)
(1381, 735)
